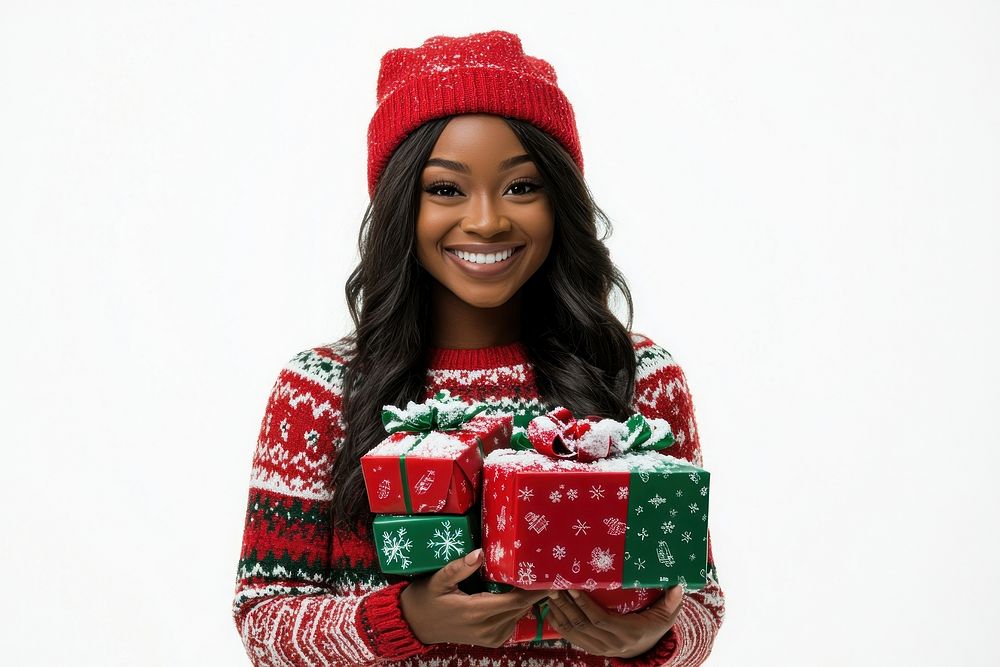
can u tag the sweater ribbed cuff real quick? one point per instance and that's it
(380, 620)
(661, 652)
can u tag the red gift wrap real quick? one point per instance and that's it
(432, 472)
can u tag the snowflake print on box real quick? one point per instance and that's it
(396, 547)
(413, 544)
(447, 543)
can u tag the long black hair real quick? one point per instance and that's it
(581, 353)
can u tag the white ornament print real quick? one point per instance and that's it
(663, 554)
(425, 483)
(555, 496)
(693, 507)
(526, 573)
(525, 494)
(622, 492)
(657, 500)
(581, 527)
(558, 552)
(615, 526)
(561, 582)
(601, 559)
(383, 489)
(686, 536)
(597, 492)
(572, 494)
(536, 522)
(667, 526)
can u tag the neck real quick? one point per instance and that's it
(456, 324)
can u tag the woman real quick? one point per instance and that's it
(481, 272)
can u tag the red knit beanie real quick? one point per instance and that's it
(485, 72)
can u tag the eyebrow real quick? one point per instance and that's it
(464, 168)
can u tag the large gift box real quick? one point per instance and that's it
(591, 505)
(431, 462)
(414, 544)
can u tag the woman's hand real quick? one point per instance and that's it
(586, 624)
(438, 611)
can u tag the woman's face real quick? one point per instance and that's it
(485, 223)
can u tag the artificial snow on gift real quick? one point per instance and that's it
(413, 544)
(535, 626)
(432, 460)
(592, 504)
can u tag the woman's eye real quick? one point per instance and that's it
(526, 187)
(438, 188)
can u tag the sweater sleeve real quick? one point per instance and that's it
(288, 608)
(662, 391)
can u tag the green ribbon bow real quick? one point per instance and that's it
(443, 412)
(440, 413)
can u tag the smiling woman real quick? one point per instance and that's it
(482, 271)
(484, 225)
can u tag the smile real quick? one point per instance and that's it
(488, 264)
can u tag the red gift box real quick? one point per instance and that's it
(435, 471)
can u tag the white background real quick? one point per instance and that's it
(805, 203)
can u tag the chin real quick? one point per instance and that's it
(484, 300)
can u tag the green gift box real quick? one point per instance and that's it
(417, 543)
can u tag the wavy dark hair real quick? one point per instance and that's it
(581, 353)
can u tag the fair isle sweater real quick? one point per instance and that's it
(307, 594)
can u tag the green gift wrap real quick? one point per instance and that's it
(417, 543)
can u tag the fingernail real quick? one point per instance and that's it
(574, 593)
(553, 595)
(472, 557)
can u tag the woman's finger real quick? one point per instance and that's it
(574, 625)
(557, 618)
(597, 619)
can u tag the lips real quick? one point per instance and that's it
(485, 270)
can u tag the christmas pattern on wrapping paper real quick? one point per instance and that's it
(413, 544)
(425, 470)
(606, 524)
(307, 589)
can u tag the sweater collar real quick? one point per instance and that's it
(470, 359)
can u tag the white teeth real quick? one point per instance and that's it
(483, 258)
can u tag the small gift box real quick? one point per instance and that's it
(417, 543)
(431, 462)
(593, 505)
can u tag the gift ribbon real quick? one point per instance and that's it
(543, 611)
(442, 412)
(558, 434)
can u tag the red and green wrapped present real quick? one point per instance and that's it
(591, 504)
(432, 460)
(418, 543)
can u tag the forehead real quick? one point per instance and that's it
(480, 140)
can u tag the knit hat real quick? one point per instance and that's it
(485, 72)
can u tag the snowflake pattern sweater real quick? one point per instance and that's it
(307, 594)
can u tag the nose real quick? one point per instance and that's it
(484, 217)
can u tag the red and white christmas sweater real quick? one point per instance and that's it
(307, 594)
